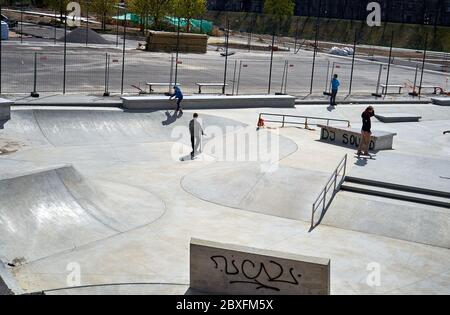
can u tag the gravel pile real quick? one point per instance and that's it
(79, 36)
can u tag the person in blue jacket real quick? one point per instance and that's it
(179, 97)
(335, 84)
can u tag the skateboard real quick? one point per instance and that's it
(363, 156)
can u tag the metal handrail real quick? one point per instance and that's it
(332, 182)
(306, 118)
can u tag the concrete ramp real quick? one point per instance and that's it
(391, 218)
(443, 101)
(286, 192)
(105, 127)
(44, 213)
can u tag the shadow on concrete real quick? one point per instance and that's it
(362, 160)
(170, 119)
(331, 108)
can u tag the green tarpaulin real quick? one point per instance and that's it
(203, 26)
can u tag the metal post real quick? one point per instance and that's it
(315, 48)
(423, 63)
(117, 25)
(177, 52)
(327, 78)
(250, 34)
(377, 93)
(34, 93)
(283, 77)
(106, 93)
(226, 56)
(21, 25)
(389, 64)
(335, 179)
(0, 53)
(54, 30)
(414, 93)
(87, 22)
(65, 52)
(296, 34)
(123, 51)
(287, 75)
(171, 72)
(271, 61)
(353, 63)
(234, 75)
(332, 74)
(239, 78)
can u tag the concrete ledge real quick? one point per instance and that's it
(208, 102)
(363, 102)
(351, 137)
(398, 117)
(217, 268)
(5, 111)
(443, 101)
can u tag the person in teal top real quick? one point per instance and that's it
(335, 84)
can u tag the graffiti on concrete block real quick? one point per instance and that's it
(264, 276)
(347, 139)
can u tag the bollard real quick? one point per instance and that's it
(234, 76)
(325, 92)
(377, 94)
(389, 64)
(106, 93)
(172, 61)
(34, 93)
(414, 93)
(239, 78)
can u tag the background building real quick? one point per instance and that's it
(432, 12)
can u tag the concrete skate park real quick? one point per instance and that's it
(105, 189)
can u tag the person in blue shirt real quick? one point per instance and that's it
(335, 84)
(179, 97)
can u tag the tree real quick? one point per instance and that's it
(141, 8)
(104, 9)
(189, 9)
(159, 9)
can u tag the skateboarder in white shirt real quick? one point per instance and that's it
(196, 131)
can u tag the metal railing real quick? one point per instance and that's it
(308, 120)
(333, 183)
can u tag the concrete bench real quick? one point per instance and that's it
(396, 86)
(5, 111)
(397, 117)
(160, 84)
(443, 101)
(200, 85)
(351, 137)
(154, 102)
(434, 87)
(217, 268)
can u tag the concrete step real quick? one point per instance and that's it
(411, 194)
(413, 189)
